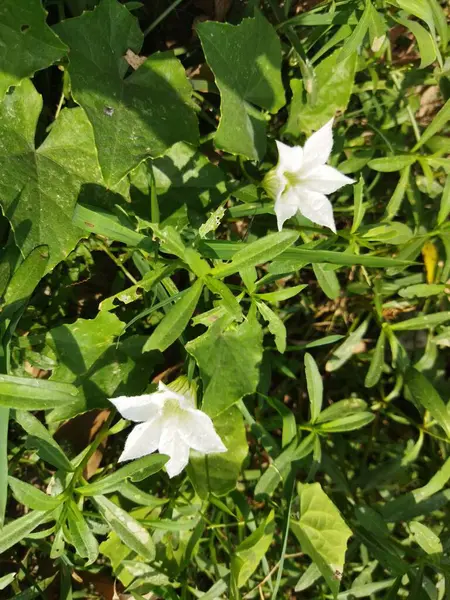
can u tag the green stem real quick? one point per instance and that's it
(162, 16)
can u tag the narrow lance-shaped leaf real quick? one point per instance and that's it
(315, 386)
(30, 496)
(81, 536)
(275, 324)
(377, 362)
(16, 530)
(426, 395)
(35, 394)
(176, 320)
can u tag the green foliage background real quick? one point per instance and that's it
(137, 244)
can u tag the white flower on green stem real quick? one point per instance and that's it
(168, 422)
(301, 180)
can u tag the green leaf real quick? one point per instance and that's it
(250, 552)
(444, 208)
(423, 322)
(342, 408)
(89, 357)
(176, 320)
(81, 536)
(394, 203)
(349, 423)
(7, 580)
(229, 300)
(281, 294)
(35, 394)
(427, 540)
(424, 40)
(365, 590)
(315, 386)
(290, 259)
(389, 164)
(28, 43)
(258, 252)
(152, 464)
(359, 209)
(345, 351)
(39, 187)
(356, 39)
(246, 62)
(387, 233)
(322, 533)
(217, 473)
(40, 438)
(132, 118)
(24, 280)
(228, 359)
(439, 121)
(132, 533)
(310, 576)
(422, 290)
(4, 428)
(334, 84)
(425, 394)
(15, 531)
(377, 362)
(327, 280)
(30, 496)
(275, 324)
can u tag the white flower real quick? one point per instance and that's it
(301, 179)
(170, 423)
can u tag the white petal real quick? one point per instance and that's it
(326, 180)
(143, 440)
(172, 445)
(185, 401)
(316, 207)
(139, 408)
(286, 206)
(318, 147)
(289, 158)
(197, 430)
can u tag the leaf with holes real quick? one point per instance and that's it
(134, 117)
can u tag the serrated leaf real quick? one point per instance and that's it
(132, 533)
(39, 187)
(228, 359)
(246, 62)
(217, 473)
(136, 117)
(176, 320)
(322, 533)
(28, 43)
(334, 84)
(30, 496)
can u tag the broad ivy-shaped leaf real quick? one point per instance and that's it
(246, 62)
(187, 183)
(334, 84)
(39, 187)
(322, 533)
(27, 44)
(134, 117)
(228, 359)
(89, 357)
(217, 473)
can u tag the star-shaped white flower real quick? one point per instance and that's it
(168, 422)
(301, 179)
